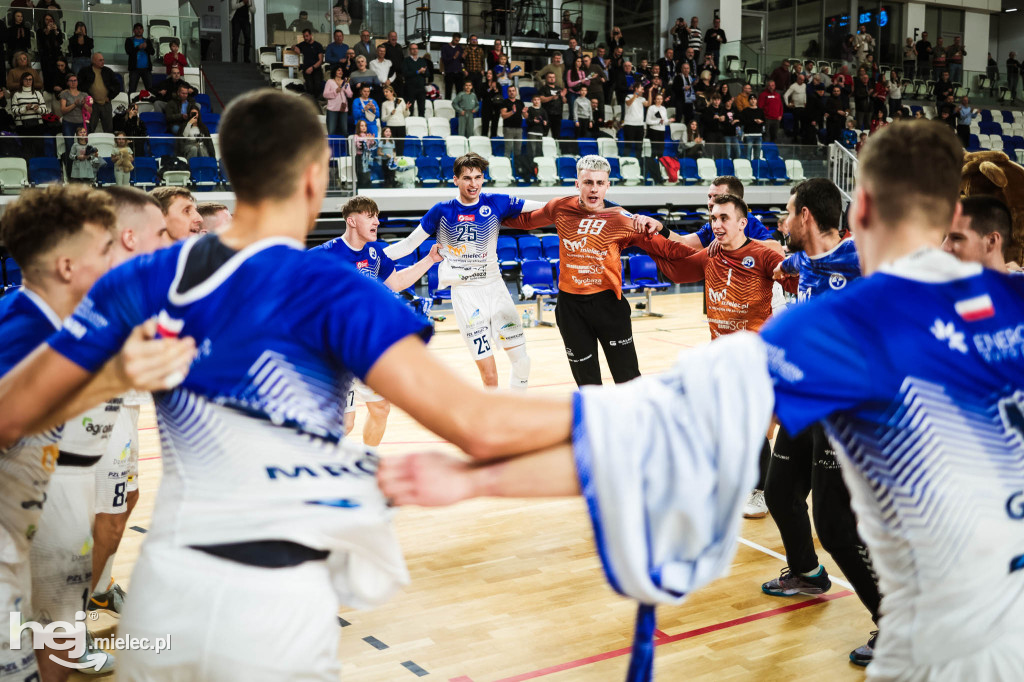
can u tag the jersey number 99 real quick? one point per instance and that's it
(591, 226)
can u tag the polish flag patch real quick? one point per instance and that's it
(168, 327)
(974, 309)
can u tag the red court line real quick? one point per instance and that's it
(661, 638)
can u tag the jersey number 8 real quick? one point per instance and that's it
(591, 226)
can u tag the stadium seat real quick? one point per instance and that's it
(497, 146)
(413, 146)
(688, 172)
(416, 125)
(990, 127)
(456, 145)
(508, 253)
(447, 169)
(12, 273)
(481, 145)
(567, 129)
(428, 169)
(537, 275)
(549, 147)
(566, 169)
(761, 171)
(724, 167)
(346, 170)
(205, 173)
(1007, 116)
(607, 147)
(973, 143)
(795, 169)
(986, 115)
(205, 106)
(433, 145)
(177, 178)
(630, 169)
(777, 167)
(501, 171)
(547, 173)
(744, 171)
(428, 109)
(105, 174)
(615, 175)
(433, 293)
(529, 247)
(549, 247)
(706, 170)
(104, 143)
(163, 146)
(586, 146)
(995, 143)
(769, 150)
(443, 109)
(43, 170)
(13, 174)
(144, 176)
(643, 276)
(439, 127)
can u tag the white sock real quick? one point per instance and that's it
(103, 584)
(520, 374)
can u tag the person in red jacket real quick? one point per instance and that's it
(770, 102)
(175, 57)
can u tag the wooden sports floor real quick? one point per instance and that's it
(513, 590)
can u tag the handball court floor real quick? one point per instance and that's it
(512, 590)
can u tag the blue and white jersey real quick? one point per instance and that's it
(26, 321)
(369, 260)
(829, 271)
(755, 229)
(469, 237)
(251, 439)
(925, 406)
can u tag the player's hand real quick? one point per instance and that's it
(646, 224)
(435, 253)
(778, 274)
(427, 479)
(147, 363)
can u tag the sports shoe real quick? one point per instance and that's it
(100, 662)
(863, 655)
(111, 600)
(755, 508)
(789, 583)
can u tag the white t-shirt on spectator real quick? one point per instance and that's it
(634, 112)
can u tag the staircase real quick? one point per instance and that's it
(227, 80)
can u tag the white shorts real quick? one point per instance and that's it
(61, 556)
(362, 393)
(486, 314)
(242, 622)
(114, 475)
(15, 586)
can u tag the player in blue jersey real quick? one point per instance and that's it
(755, 229)
(982, 233)
(806, 464)
(925, 407)
(467, 230)
(62, 239)
(260, 494)
(359, 246)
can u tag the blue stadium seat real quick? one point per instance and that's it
(724, 167)
(413, 147)
(549, 246)
(586, 145)
(567, 130)
(916, 108)
(787, 122)
(986, 117)
(526, 93)
(338, 145)
(508, 253)
(688, 171)
(538, 274)
(566, 169)
(616, 173)
(144, 175)
(105, 173)
(973, 144)
(1007, 116)
(770, 150)
(761, 170)
(433, 145)
(44, 169)
(205, 173)
(435, 294)
(1008, 144)
(224, 175)
(447, 169)
(12, 273)
(423, 250)
(627, 287)
(428, 168)
(498, 147)
(644, 273)
(1018, 142)
(990, 128)
(163, 146)
(777, 167)
(212, 127)
(205, 106)
(529, 247)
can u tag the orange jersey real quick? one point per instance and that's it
(590, 243)
(737, 284)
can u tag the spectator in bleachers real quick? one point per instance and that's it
(492, 101)
(312, 59)
(21, 67)
(386, 156)
(140, 59)
(600, 126)
(878, 121)
(770, 102)
(50, 42)
(655, 87)
(714, 38)
(695, 39)
(85, 159)
(366, 147)
(633, 121)
(576, 77)
(414, 71)
(392, 115)
(176, 112)
(861, 141)
(849, 136)
(582, 115)
(19, 34)
(815, 115)
(47, 8)
(992, 71)
(965, 113)
(691, 144)
(466, 104)
(80, 47)
(684, 92)
(871, 68)
(123, 158)
(28, 107)
(242, 14)
(598, 78)
(537, 125)
(848, 50)
(895, 91)
(680, 35)
(338, 93)
(600, 58)
(658, 122)
(615, 39)
(100, 82)
(133, 127)
(71, 101)
(557, 67)
(943, 88)
(923, 48)
(474, 61)
(746, 98)
(1012, 75)
(174, 57)
(782, 75)
(570, 53)
(365, 46)
(337, 51)
(363, 75)
(880, 97)
(955, 60)
(167, 89)
(339, 16)
(512, 125)
(723, 90)
(348, 63)
(863, 43)
(732, 130)
(503, 72)
(706, 86)
(910, 58)
(826, 77)
(394, 53)
(55, 82)
(938, 59)
(712, 122)
(668, 67)
(843, 79)
(862, 91)
(452, 66)
(617, 85)
(552, 97)
(494, 54)
(570, 28)
(365, 109)
(302, 24)
(798, 69)
(689, 58)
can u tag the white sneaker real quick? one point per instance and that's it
(99, 661)
(755, 508)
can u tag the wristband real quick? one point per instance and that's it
(665, 232)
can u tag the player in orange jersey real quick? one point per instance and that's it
(592, 235)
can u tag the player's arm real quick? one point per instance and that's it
(484, 424)
(691, 240)
(532, 219)
(403, 248)
(787, 268)
(400, 280)
(680, 263)
(432, 479)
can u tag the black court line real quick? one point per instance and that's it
(139, 529)
(342, 622)
(414, 669)
(375, 643)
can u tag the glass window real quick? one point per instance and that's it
(837, 27)
(808, 28)
(283, 15)
(780, 31)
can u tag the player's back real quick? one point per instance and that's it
(919, 372)
(369, 260)
(738, 286)
(251, 438)
(468, 236)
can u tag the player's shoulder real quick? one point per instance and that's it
(19, 313)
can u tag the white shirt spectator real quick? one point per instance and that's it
(634, 112)
(796, 95)
(656, 117)
(393, 112)
(381, 68)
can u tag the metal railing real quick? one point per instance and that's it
(842, 171)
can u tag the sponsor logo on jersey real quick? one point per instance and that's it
(362, 265)
(1015, 506)
(373, 253)
(76, 328)
(485, 211)
(948, 333)
(457, 250)
(976, 308)
(748, 262)
(1002, 344)
(717, 296)
(467, 217)
(836, 281)
(575, 246)
(508, 325)
(475, 316)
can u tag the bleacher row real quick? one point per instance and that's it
(999, 130)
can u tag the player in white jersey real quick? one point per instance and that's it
(467, 230)
(982, 233)
(141, 228)
(924, 405)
